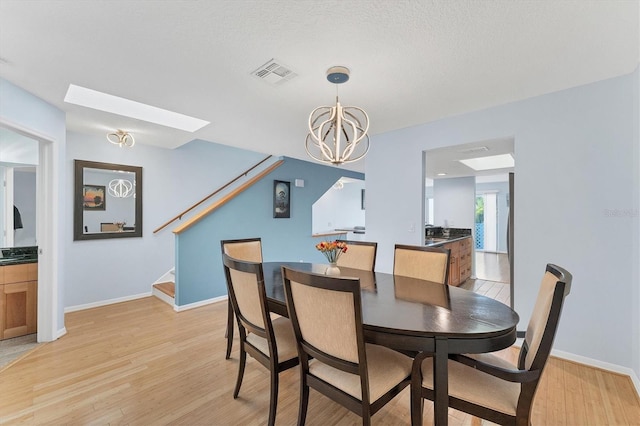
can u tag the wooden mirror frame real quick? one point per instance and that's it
(78, 205)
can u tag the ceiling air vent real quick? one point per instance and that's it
(274, 72)
(473, 149)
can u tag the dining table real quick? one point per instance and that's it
(416, 316)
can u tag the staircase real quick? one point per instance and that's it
(165, 288)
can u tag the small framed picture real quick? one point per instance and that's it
(93, 197)
(281, 199)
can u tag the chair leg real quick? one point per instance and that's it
(273, 402)
(243, 360)
(229, 333)
(366, 417)
(417, 402)
(417, 406)
(304, 401)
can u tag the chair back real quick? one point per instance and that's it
(248, 249)
(326, 314)
(245, 282)
(108, 227)
(426, 263)
(359, 255)
(541, 331)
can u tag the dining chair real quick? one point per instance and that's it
(359, 255)
(426, 263)
(489, 387)
(248, 249)
(108, 227)
(270, 342)
(326, 314)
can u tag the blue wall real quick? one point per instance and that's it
(199, 274)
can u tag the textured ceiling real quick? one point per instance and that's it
(411, 61)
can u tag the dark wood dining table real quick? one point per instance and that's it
(409, 314)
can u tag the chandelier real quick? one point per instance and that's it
(337, 134)
(121, 138)
(120, 188)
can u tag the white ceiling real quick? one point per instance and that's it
(447, 160)
(411, 61)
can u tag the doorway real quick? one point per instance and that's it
(481, 161)
(47, 178)
(490, 228)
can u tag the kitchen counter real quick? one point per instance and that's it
(439, 241)
(18, 255)
(18, 291)
(459, 242)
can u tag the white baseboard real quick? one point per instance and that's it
(614, 368)
(61, 332)
(601, 365)
(200, 303)
(164, 297)
(105, 302)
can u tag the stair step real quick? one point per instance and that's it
(167, 288)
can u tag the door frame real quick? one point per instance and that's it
(47, 212)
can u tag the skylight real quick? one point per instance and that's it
(104, 102)
(502, 161)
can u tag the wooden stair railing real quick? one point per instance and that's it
(179, 216)
(222, 201)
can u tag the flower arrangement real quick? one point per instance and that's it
(332, 249)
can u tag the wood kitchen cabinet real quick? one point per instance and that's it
(459, 261)
(454, 270)
(465, 253)
(19, 300)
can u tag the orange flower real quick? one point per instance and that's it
(332, 249)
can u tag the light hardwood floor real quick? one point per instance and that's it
(141, 363)
(492, 266)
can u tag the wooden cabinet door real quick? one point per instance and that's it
(454, 266)
(20, 309)
(465, 259)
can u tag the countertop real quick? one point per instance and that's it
(16, 261)
(439, 241)
(18, 255)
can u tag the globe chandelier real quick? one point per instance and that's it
(120, 188)
(337, 134)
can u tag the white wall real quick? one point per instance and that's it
(635, 249)
(24, 198)
(23, 112)
(454, 202)
(172, 180)
(339, 208)
(575, 151)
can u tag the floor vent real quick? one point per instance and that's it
(274, 72)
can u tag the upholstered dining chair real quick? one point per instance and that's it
(359, 255)
(248, 249)
(108, 227)
(270, 342)
(489, 387)
(326, 314)
(427, 263)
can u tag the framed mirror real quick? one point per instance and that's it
(107, 201)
